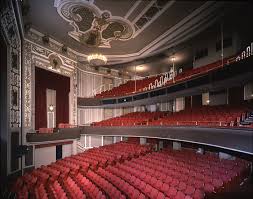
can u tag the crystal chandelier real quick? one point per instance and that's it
(97, 59)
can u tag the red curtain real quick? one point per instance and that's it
(48, 80)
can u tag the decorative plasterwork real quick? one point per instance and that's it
(74, 99)
(188, 27)
(38, 56)
(9, 26)
(53, 46)
(149, 15)
(92, 26)
(27, 60)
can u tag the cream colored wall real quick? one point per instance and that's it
(96, 141)
(107, 140)
(180, 104)
(128, 110)
(89, 115)
(205, 99)
(66, 150)
(44, 156)
(108, 113)
(248, 91)
(108, 83)
(86, 83)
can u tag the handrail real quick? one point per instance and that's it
(228, 61)
(80, 146)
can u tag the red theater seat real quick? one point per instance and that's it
(143, 84)
(46, 130)
(163, 174)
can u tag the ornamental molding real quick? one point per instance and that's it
(68, 58)
(9, 26)
(91, 26)
(35, 37)
(46, 54)
(28, 74)
(38, 56)
(191, 25)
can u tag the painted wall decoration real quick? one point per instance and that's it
(92, 26)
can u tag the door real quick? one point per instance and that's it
(58, 152)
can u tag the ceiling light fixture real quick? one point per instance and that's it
(97, 59)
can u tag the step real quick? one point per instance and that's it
(245, 123)
(247, 120)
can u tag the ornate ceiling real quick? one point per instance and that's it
(94, 27)
(123, 30)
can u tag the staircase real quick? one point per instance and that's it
(248, 120)
(80, 147)
(6, 193)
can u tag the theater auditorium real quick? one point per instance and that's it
(126, 99)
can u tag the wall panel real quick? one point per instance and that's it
(87, 83)
(66, 150)
(96, 141)
(45, 156)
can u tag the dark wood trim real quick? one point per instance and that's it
(222, 78)
(52, 144)
(62, 134)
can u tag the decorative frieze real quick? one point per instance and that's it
(39, 56)
(27, 62)
(9, 27)
(52, 45)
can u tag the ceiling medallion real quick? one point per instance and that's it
(97, 59)
(92, 26)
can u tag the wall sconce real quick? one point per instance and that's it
(207, 101)
(51, 108)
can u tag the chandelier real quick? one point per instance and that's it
(97, 59)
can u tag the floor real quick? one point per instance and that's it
(243, 191)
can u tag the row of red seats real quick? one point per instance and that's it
(58, 179)
(146, 183)
(109, 189)
(56, 191)
(143, 84)
(129, 87)
(165, 174)
(131, 119)
(123, 185)
(66, 125)
(46, 130)
(40, 192)
(90, 189)
(60, 125)
(180, 177)
(72, 189)
(209, 116)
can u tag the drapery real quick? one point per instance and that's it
(48, 80)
